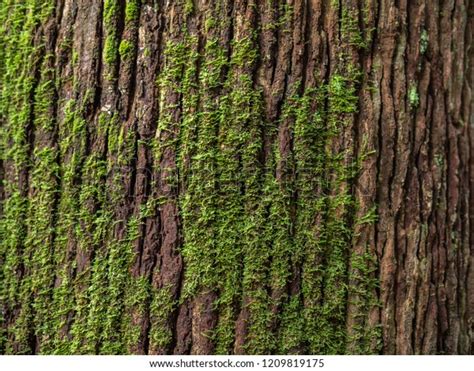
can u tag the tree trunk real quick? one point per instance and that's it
(236, 177)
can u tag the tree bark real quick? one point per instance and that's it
(236, 177)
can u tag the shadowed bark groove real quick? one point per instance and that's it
(236, 177)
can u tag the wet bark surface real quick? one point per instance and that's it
(236, 177)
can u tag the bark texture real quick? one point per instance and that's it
(236, 177)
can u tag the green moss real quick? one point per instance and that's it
(126, 50)
(292, 328)
(249, 232)
(177, 76)
(188, 7)
(244, 52)
(413, 97)
(137, 299)
(111, 43)
(38, 243)
(90, 308)
(132, 10)
(75, 57)
(110, 50)
(424, 41)
(354, 26)
(199, 204)
(341, 96)
(240, 125)
(439, 160)
(369, 218)
(162, 305)
(119, 260)
(25, 106)
(210, 23)
(309, 135)
(91, 281)
(365, 337)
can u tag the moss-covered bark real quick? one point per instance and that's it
(236, 177)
